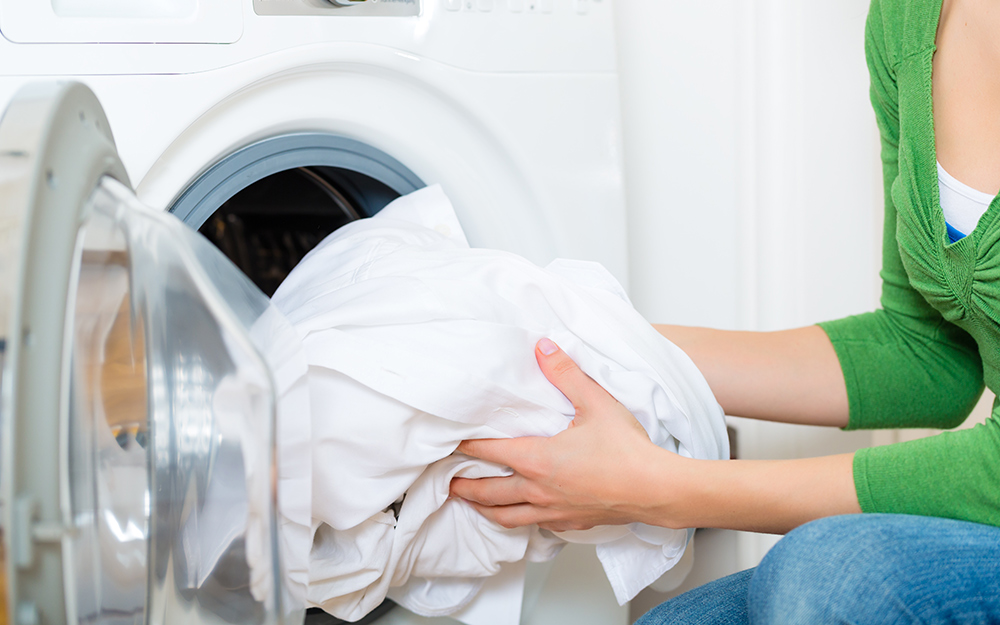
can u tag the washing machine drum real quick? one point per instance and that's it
(136, 468)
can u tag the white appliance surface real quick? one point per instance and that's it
(511, 105)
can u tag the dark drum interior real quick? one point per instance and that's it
(269, 226)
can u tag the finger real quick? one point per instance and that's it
(490, 491)
(517, 515)
(578, 387)
(510, 452)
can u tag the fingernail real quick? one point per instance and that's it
(547, 347)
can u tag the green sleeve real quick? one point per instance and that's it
(952, 475)
(904, 365)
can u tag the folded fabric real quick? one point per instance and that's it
(415, 342)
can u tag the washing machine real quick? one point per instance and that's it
(264, 125)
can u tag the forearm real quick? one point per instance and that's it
(773, 496)
(791, 376)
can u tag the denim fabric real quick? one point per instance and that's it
(722, 602)
(857, 569)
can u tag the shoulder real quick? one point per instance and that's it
(883, 32)
(882, 53)
(899, 28)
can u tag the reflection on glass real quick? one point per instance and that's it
(170, 433)
(108, 468)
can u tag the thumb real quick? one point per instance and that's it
(580, 389)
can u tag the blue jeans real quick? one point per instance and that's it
(857, 569)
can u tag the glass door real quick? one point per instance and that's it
(138, 481)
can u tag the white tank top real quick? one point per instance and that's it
(962, 205)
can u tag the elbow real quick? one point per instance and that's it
(956, 414)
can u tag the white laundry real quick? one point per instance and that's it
(279, 345)
(415, 342)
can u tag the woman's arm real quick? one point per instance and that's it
(792, 376)
(604, 470)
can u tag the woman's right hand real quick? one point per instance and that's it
(590, 474)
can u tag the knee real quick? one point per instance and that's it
(721, 601)
(819, 572)
(829, 543)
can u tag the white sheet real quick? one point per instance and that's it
(416, 342)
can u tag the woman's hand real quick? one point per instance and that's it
(604, 470)
(587, 475)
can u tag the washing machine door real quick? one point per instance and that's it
(137, 416)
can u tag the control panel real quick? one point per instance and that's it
(339, 8)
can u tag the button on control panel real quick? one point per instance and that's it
(540, 6)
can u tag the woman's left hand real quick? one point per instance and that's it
(593, 473)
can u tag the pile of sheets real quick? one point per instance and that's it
(414, 342)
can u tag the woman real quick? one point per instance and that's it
(929, 551)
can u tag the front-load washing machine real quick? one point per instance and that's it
(266, 124)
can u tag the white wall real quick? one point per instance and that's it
(751, 159)
(752, 176)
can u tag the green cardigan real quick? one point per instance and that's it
(921, 360)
